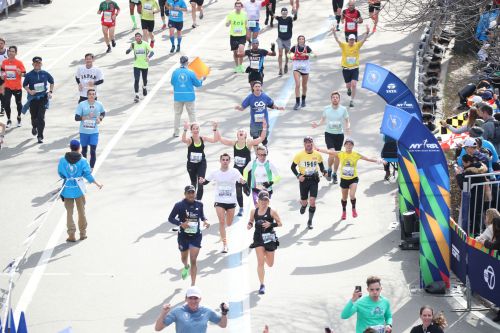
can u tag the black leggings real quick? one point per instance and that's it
(162, 7)
(18, 94)
(93, 155)
(137, 75)
(195, 171)
(272, 11)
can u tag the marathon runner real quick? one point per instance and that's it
(351, 17)
(225, 194)
(3, 56)
(265, 241)
(191, 317)
(142, 53)
(242, 148)
(256, 58)
(300, 54)
(148, 10)
(196, 5)
(270, 10)
(90, 114)
(35, 83)
(12, 70)
(196, 161)
(258, 102)
(261, 174)
(308, 162)
(349, 172)
(337, 10)
(176, 21)
(295, 8)
(109, 10)
(163, 12)
(88, 77)
(237, 21)
(285, 26)
(350, 62)
(132, 5)
(337, 123)
(252, 7)
(187, 214)
(373, 10)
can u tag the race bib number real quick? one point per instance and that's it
(192, 229)
(268, 237)
(283, 29)
(225, 190)
(310, 171)
(336, 125)
(174, 14)
(351, 26)
(258, 117)
(252, 24)
(147, 6)
(254, 64)
(89, 124)
(195, 157)
(10, 75)
(348, 171)
(351, 60)
(107, 17)
(240, 161)
(140, 51)
(379, 328)
(238, 30)
(39, 87)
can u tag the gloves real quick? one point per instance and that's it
(224, 309)
(267, 184)
(273, 47)
(128, 51)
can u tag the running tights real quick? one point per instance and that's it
(137, 76)
(93, 155)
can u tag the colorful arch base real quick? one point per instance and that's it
(427, 176)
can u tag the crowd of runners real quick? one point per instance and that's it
(249, 170)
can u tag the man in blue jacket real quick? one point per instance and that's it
(184, 80)
(73, 168)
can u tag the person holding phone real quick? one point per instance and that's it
(374, 310)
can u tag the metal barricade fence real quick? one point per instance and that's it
(477, 197)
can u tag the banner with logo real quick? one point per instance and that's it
(426, 166)
(484, 270)
(458, 251)
(391, 89)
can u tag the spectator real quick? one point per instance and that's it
(485, 20)
(472, 116)
(487, 234)
(430, 324)
(486, 147)
(486, 113)
(373, 310)
(191, 317)
(470, 148)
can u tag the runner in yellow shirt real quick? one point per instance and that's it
(237, 21)
(148, 10)
(349, 172)
(350, 61)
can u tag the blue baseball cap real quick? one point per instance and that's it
(74, 144)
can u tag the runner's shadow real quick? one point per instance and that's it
(158, 148)
(236, 309)
(148, 318)
(8, 152)
(33, 259)
(43, 199)
(378, 187)
(327, 234)
(58, 144)
(117, 36)
(120, 110)
(217, 83)
(293, 238)
(163, 228)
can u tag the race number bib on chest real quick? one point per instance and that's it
(254, 64)
(351, 60)
(108, 16)
(39, 87)
(268, 237)
(336, 125)
(174, 14)
(192, 229)
(258, 117)
(240, 161)
(252, 24)
(89, 123)
(225, 190)
(351, 25)
(348, 171)
(283, 29)
(10, 72)
(379, 328)
(147, 6)
(195, 157)
(238, 30)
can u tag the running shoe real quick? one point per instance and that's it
(194, 25)
(303, 104)
(296, 106)
(262, 289)
(113, 43)
(201, 15)
(286, 68)
(40, 139)
(348, 91)
(109, 49)
(237, 69)
(152, 43)
(351, 104)
(175, 135)
(136, 99)
(266, 22)
(302, 209)
(272, 24)
(295, 17)
(185, 272)
(135, 26)
(241, 69)
(354, 213)
(387, 175)
(9, 123)
(172, 49)
(344, 215)
(175, 229)
(178, 48)
(329, 175)
(164, 26)
(280, 73)
(338, 27)
(18, 121)
(34, 132)
(144, 91)
(240, 212)
(309, 225)
(334, 177)
(374, 28)
(252, 246)
(224, 248)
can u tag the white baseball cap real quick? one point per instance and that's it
(193, 292)
(351, 36)
(469, 142)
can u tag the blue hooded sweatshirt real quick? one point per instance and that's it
(184, 80)
(73, 167)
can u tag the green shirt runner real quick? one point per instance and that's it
(238, 25)
(141, 52)
(148, 9)
(105, 5)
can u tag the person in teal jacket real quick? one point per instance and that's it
(374, 310)
(183, 81)
(73, 169)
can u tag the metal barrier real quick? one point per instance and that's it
(5, 4)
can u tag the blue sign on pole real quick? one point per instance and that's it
(486, 271)
(458, 256)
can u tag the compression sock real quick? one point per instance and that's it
(179, 40)
(337, 17)
(353, 203)
(172, 40)
(133, 19)
(312, 210)
(303, 98)
(344, 204)
(297, 100)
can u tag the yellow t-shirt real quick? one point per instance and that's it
(348, 164)
(350, 54)
(308, 163)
